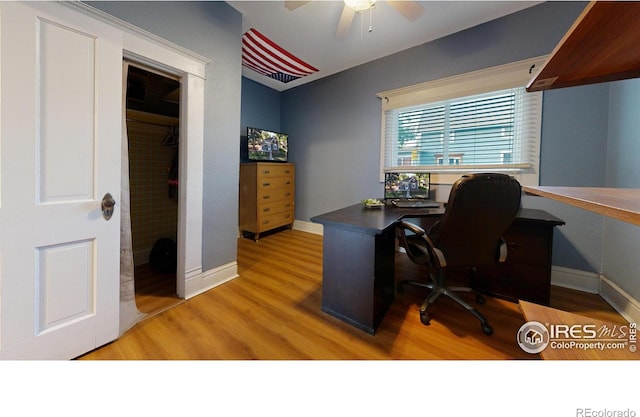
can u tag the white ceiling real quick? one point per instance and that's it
(308, 32)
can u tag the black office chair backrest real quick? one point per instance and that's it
(480, 209)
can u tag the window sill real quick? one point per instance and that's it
(449, 177)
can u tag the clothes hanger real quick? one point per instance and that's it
(171, 140)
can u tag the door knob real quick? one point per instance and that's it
(108, 203)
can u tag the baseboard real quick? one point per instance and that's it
(624, 304)
(198, 283)
(594, 283)
(575, 279)
(309, 227)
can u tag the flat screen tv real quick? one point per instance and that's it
(265, 145)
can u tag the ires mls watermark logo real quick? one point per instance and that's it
(534, 337)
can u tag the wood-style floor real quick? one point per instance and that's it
(155, 291)
(272, 311)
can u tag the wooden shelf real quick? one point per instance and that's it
(152, 118)
(618, 203)
(601, 46)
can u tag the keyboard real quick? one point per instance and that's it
(415, 203)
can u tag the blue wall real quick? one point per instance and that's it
(621, 262)
(260, 107)
(572, 153)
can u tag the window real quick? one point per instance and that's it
(479, 121)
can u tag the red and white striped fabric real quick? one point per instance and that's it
(264, 56)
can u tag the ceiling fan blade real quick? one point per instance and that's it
(345, 22)
(409, 9)
(292, 5)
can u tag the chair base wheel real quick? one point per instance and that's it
(425, 319)
(480, 299)
(487, 329)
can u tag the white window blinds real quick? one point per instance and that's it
(493, 130)
(479, 121)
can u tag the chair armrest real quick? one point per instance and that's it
(414, 228)
(502, 251)
(430, 255)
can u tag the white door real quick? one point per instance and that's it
(60, 126)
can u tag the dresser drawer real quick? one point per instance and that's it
(275, 182)
(273, 207)
(268, 222)
(274, 189)
(274, 170)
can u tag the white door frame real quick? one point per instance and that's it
(154, 55)
(152, 51)
(191, 165)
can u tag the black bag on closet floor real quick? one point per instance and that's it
(164, 255)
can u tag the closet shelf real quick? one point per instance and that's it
(156, 119)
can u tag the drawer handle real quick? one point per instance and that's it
(287, 216)
(266, 222)
(266, 184)
(264, 210)
(266, 171)
(286, 171)
(287, 194)
(266, 197)
(287, 183)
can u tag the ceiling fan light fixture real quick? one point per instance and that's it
(360, 5)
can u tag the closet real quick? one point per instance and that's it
(152, 122)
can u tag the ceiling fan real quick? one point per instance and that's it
(409, 9)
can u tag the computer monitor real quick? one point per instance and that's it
(405, 185)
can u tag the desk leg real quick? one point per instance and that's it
(357, 277)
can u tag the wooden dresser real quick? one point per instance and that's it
(266, 196)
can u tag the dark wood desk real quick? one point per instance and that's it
(359, 254)
(358, 261)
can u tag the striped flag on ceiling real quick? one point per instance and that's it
(262, 55)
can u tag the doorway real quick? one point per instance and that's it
(153, 126)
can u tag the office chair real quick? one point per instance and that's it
(480, 209)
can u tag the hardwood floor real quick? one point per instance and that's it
(155, 291)
(272, 311)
